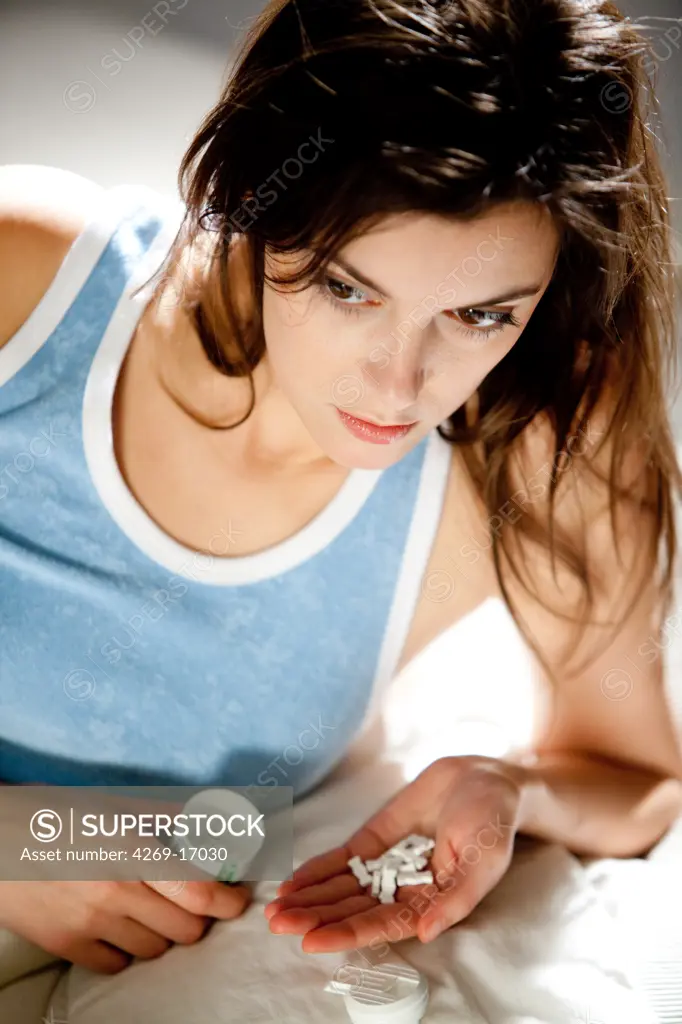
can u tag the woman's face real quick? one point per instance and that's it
(404, 325)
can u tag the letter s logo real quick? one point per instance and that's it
(46, 826)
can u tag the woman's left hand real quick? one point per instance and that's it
(469, 805)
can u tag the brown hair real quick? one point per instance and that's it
(450, 108)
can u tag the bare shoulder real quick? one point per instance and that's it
(42, 211)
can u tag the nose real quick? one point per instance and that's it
(396, 367)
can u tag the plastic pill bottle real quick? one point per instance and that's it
(380, 991)
(408, 1006)
(220, 854)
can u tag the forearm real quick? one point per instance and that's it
(597, 807)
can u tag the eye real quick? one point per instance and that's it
(481, 323)
(343, 296)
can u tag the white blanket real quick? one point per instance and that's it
(545, 947)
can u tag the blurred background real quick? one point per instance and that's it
(114, 89)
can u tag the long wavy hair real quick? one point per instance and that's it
(338, 113)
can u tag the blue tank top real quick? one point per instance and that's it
(127, 658)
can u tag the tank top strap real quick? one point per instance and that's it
(119, 247)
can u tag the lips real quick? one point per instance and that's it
(384, 426)
(373, 432)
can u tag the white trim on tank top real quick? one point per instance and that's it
(141, 529)
(70, 278)
(423, 528)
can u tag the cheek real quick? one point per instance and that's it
(300, 328)
(458, 374)
(281, 313)
(298, 340)
(285, 325)
(462, 369)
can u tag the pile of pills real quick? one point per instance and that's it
(401, 865)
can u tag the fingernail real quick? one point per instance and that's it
(434, 928)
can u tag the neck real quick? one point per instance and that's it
(272, 436)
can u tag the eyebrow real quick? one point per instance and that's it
(520, 292)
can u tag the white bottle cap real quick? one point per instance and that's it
(225, 857)
(393, 993)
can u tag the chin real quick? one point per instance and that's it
(351, 452)
(362, 455)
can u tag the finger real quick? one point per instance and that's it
(317, 869)
(161, 915)
(332, 863)
(389, 922)
(132, 937)
(300, 920)
(97, 956)
(211, 899)
(334, 889)
(286, 887)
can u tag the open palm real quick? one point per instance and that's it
(453, 800)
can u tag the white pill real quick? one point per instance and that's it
(403, 847)
(420, 848)
(388, 881)
(410, 856)
(394, 862)
(419, 862)
(399, 853)
(359, 870)
(405, 858)
(387, 860)
(414, 877)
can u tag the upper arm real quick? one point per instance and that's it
(42, 212)
(608, 696)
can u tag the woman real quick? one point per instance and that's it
(421, 303)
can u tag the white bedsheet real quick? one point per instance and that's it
(559, 941)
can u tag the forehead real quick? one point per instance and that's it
(409, 255)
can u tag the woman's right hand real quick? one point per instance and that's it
(103, 924)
